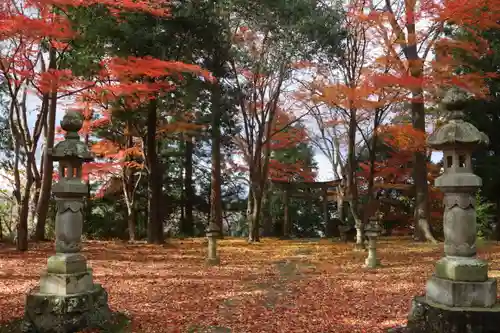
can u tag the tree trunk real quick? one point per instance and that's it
(33, 220)
(286, 215)
(23, 208)
(187, 226)
(249, 206)
(253, 232)
(88, 201)
(42, 207)
(267, 216)
(129, 194)
(215, 188)
(131, 223)
(421, 213)
(372, 206)
(155, 225)
(341, 209)
(351, 180)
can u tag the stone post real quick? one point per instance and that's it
(372, 231)
(459, 295)
(212, 235)
(67, 300)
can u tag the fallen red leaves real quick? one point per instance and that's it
(276, 286)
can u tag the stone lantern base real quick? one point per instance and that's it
(66, 300)
(429, 317)
(49, 313)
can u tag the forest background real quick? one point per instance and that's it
(255, 92)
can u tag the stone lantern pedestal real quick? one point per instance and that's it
(67, 300)
(372, 231)
(459, 297)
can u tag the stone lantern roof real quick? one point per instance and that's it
(71, 147)
(456, 131)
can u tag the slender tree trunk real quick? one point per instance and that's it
(253, 232)
(129, 194)
(249, 205)
(351, 180)
(88, 201)
(23, 212)
(421, 213)
(164, 207)
(33, 220)
(154, 222)
(144, 224)
(215, 189)
(286, 214)
(42, 207)
(187, 227)
(131, 222)
(267, 216)
(341, 209)
(372, 206)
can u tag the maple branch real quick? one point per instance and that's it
(241, 101)
(400, 35)
(90, 86)
(432, 42)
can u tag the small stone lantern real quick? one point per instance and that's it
(372, 231)
(67, 300)
(459, 296)
(212, 234)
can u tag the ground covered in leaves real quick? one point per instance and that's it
(275, 286)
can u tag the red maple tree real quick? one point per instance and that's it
(36, 34)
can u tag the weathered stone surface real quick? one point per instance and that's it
(459, 227)
(456, 131)
(66, 284)
(66, 263)
(212, 234)
(461, 293)
(71, 147)
(428, 317)
(69, 224)
(372, 262)
(372, 231)
(462, 269)
(46, 313)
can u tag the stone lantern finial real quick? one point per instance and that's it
(456, 130)
(72, 121)
(71, 147)
(455, 100)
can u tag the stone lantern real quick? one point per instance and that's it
(67, 300)
(212, 233)
(372, 231)
(459, 295)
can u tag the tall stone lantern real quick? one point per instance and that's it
(67, 300)
(459, 298)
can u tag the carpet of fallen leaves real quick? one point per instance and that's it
(276, 286)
